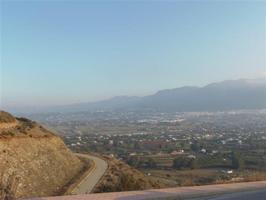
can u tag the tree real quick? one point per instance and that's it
(192, 163)
(134, 161)
(195, 146)
(237, 162)
(184, 162)
(151, 163)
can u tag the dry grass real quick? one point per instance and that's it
(122, 177)
(6, 117)
(8, 186)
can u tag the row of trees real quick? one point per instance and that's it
(178, 163)
(137, 162)
(183, 162)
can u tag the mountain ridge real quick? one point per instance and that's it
(218, 96)
(225, 95)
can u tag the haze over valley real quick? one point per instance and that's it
(132, 100)
(220, 96)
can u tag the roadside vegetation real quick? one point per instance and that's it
(121, 177)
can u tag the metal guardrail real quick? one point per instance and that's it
(178, 193)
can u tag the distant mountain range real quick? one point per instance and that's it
(226, 95)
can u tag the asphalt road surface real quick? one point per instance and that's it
(89, 182)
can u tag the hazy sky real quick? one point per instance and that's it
(60, 52)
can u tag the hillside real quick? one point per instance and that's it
(34, 161)
(122, 177)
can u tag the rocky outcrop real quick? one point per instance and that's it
(37, 159)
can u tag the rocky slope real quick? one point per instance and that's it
(33, 161)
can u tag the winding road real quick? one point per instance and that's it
(86, 185)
